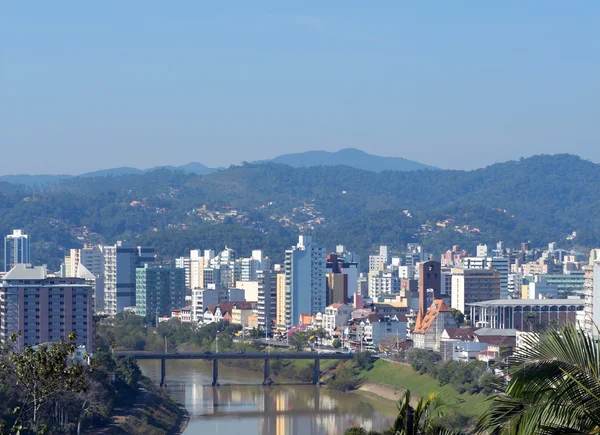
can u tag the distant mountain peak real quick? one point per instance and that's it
(352, 157)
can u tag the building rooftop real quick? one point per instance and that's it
(22, 272)
(492, 331)
(438, 306)
(523, 302)
(460, 333)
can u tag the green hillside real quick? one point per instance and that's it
(542, 198)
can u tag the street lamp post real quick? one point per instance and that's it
(217, 348)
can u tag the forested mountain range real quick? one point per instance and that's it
(347, 157)
(542, 198)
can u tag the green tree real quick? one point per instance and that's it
(458, 316)
(553, 389)
(299, 340)
(40, 375)
(337, 343)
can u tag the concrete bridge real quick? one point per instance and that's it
(215, 357)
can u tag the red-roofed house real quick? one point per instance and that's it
(428, 330)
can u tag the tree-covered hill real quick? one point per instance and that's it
(542, 198)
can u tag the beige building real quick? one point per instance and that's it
(474, 285)
(281, 303)
(241, 316)
(253, 321)
(250, 289)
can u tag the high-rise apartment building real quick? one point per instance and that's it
(44, 308)
(474, 285)
(383, 282)
(16, 249)
(267, 299)
(281, 306)
(249, 267)
(88, 263)
(120, 264)
(305, 279)
(196, 269)
(502, 266)
(591, 293)
(158, 290)
(376, 262)
(185, 264)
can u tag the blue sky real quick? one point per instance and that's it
(91, 85)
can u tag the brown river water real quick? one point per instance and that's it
(240, 405)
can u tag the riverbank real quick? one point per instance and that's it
(154, 412)
(389, 381)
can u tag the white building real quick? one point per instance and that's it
(185, 264)
(383, 282)
(540, 289)
(202, 298)
(16, 249)
(482, 250)
(376, 262)
(336, 317)
(305, 269)
(592, 295)
(515, 285)
(251, 266)
(379, 329)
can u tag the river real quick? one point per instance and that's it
(242, 406)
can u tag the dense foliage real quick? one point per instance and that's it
(361, 209)
(45, 390)
(471, 377)
(347, 377)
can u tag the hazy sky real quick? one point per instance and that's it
(91, 85)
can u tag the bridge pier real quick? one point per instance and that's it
(163, 372)
(267, 370)
(317, 371)
(215, 372)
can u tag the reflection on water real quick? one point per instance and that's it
(241, 405)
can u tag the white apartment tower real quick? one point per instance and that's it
(185, 264)
(592, 294)
(16, 249)
(305, 284)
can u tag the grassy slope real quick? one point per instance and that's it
(404, 377)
